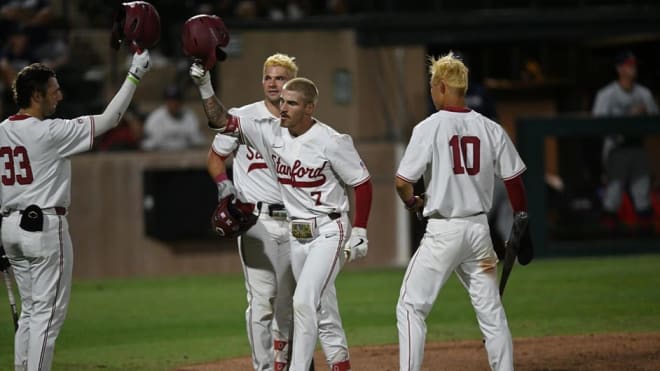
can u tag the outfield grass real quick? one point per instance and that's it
(157, 324)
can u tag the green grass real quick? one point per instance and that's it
(158, 324)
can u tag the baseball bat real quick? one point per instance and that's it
(12, 300)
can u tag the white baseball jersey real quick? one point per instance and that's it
(459, 152)
(165, 132)
(251, 175)
(312, 169)
(33, 153)
(35, 169)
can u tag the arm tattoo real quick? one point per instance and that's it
(216, 113)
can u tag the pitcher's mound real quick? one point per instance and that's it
(600, 352)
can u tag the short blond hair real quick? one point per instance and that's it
(282, 60)
(450, 70)
(305, 86)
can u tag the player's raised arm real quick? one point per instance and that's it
(137, 26)
(113, 113)
(203, 38)
(215, 110)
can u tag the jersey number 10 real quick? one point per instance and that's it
(466, 150)
(11, 176)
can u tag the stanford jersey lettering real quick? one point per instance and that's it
(255, 159)
(293, 174)
(257, 166)
(252, 154)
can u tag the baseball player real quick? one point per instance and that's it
(36, 185)
(313, 163)
(458, 151)
(264, 249)
(626, 160)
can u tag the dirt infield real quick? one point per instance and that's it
(612, 352)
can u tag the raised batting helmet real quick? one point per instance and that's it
(231, 218)
(203, 37)
(138, 24)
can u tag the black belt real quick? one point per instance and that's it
(273, 209)
(57, 210)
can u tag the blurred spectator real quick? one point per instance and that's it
(478, 99)
(25, 33)
(279, 10)
(127, 136)
(276, 10)
(626, 161)
(34, 15)
(15, 55)
(246, 9)
(172, 127)
(532, 71)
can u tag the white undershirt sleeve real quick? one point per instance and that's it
(115, 109)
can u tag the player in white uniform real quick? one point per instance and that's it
(458, 151)
(264, 248)
(313, 164)
(36, 170)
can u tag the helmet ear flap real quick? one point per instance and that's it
(220, 54)
(134, 25)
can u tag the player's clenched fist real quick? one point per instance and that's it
(202, 79)
(140, 65)
(226, 188)
(199, 75)
(357, 244)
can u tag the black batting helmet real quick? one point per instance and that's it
(137, 23)
(203, 37)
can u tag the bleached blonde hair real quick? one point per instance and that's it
(282, 60)
(450, 70)
(305, 86)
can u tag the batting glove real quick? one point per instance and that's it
(226, 188)
(357, 245)
(202, 79)
(140, 65)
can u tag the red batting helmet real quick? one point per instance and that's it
(231, 219)
(203, 36)
(138, 23)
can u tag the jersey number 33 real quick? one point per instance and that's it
(17, 155)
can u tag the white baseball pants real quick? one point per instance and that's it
(462, 246)
(266, 260)
(316, 264)
(43, 264)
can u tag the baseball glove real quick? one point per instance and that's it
(518, 246)
(232, 217)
